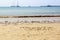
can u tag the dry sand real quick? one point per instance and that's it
(30, 31)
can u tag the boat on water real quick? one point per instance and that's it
(16, 5)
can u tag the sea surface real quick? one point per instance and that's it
(29, 11)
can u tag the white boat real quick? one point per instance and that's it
(16, 5)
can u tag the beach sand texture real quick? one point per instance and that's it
(30, 31)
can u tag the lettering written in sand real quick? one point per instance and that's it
(36, 28)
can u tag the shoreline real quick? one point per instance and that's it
(29, 16)
(30, 20)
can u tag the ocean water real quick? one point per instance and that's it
(27, 11)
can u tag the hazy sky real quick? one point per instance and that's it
(29, 2)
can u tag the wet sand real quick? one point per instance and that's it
(30, 31)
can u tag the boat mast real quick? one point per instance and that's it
(17, 3)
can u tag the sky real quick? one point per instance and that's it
(29, 2)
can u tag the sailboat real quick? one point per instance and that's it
(16, 5)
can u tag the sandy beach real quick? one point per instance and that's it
(29, 19)
(30, 31)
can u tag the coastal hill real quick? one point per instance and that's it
(51, 6)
